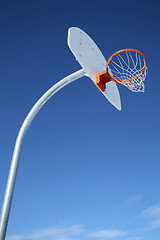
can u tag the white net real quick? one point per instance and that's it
(129, 68)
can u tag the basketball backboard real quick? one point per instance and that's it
(92, 61)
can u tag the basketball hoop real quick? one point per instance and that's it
(128, 67)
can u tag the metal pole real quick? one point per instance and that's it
(18, 146)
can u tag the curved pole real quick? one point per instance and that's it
(18, 146)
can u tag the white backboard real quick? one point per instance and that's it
(92, 61)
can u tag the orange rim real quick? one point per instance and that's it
(126, 50)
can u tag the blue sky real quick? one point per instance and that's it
(87, 171)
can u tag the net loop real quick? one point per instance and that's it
(128, 67)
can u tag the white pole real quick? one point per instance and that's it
(18, 146)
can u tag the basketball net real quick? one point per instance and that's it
(128, 67)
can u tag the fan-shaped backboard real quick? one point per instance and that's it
(92, 61)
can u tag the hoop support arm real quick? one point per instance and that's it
(18, 146)
(101, 79)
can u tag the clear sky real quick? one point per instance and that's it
(87, 171)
